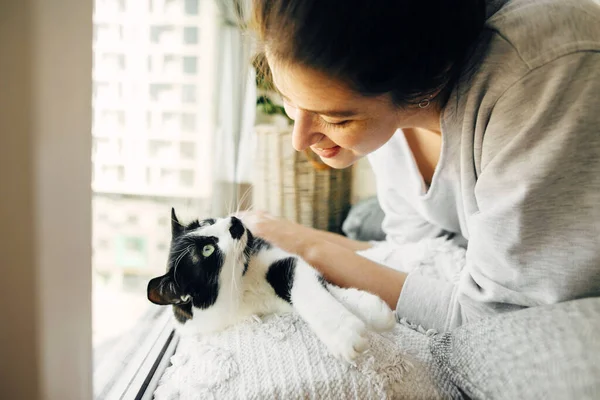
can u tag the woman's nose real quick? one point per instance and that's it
(303, 135)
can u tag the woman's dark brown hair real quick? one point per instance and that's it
(407, 48)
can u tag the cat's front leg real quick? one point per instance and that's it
(368, 307)
(341, 331)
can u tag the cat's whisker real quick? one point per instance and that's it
(242, 213)
(181, 251)
(228, 205)
(181, 255)
(242, 199)
(234, 286)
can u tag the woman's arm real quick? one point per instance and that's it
(349, 244)
(343, 267)
(333, 255)
(294, 237)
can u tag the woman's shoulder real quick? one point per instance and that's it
(539, 64)
(541, 31)
(524, 43)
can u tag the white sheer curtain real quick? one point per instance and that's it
(236, 104)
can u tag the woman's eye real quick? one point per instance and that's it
(336, 124)
(208, 250)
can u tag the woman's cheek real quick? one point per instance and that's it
(372, 139)
(361, 141)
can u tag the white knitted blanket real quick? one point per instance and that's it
(279, 357)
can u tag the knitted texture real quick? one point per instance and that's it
(549, 352)
(281, 358)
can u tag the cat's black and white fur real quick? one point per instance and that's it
(219, 273)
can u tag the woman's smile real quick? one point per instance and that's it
(329, 152)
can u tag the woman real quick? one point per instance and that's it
(482, 125)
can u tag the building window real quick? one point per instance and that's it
(188, 122)
(131, 252)
(162, 34)
(188, 94)
(186, 178)
(187, 150)
(190, 65)
(132, 219)
(159, 149)
(190, 35)
(191, 7)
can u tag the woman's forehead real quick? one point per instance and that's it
(313, 90)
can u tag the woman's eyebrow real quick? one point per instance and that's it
(328, 113)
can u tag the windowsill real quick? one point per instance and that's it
(129, 366)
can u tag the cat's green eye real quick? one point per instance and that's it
(208, 250)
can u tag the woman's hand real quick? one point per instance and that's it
(290, 236)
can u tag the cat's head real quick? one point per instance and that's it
(204, 256)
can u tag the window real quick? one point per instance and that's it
(107, 33)
(162, 34)
(187, 150)
(131, 252)
(129, 333)
(160, 149)
(190, 65)
(191, 7)
(109, 62)
(188, 94)
(170, 122)
(190, 35)
(186, 178)
(162, 93)
(146, 128)
(188, 122)
(132, 219)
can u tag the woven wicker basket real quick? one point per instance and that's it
(296, 186)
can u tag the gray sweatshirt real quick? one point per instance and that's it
(518, 180)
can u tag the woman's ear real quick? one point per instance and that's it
(163, 291)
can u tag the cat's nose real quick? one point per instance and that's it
(237, 228)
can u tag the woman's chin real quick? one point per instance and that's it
(343, 159)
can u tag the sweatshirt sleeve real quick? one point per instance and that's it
(536, 237)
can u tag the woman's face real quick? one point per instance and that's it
(338, 124)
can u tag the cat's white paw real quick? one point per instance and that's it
(346, 340)
(376, 313)
(368, 307)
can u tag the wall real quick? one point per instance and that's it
(45, 254)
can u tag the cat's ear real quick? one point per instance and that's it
(176, 227)
(163, 291)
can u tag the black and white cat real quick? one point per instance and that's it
(219, 273)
